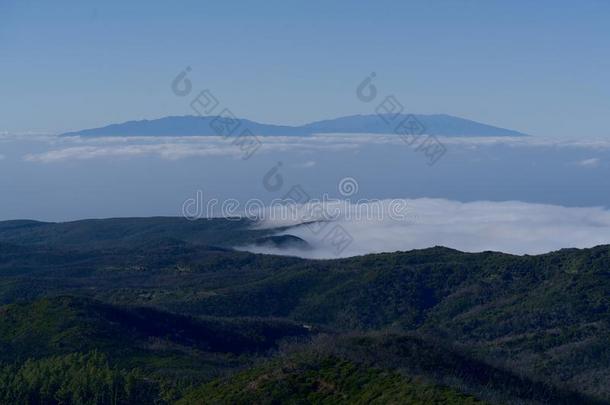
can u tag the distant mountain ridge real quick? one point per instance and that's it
(189, 125)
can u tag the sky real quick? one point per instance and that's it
(538, 67)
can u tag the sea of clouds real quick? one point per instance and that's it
(511, 227)
(523, 195)
(82, 148)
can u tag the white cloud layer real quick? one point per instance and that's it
(80, 148)
(511, 227)
(592, 162)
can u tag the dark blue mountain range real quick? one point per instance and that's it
(436, 124)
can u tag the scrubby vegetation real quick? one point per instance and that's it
(327, 380)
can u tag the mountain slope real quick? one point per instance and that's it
(545, 318)
(437, 124)
(187, 125)
(162, 343)
(121, 232)
(326, 380)
(379, 368)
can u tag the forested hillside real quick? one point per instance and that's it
(158, 310)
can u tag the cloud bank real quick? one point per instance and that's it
(511, 227)
(80, 148)
(592, 162)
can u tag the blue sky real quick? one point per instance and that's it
(539, 67)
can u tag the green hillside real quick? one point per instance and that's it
(171, 299)
(327, 380)
(62, 325)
